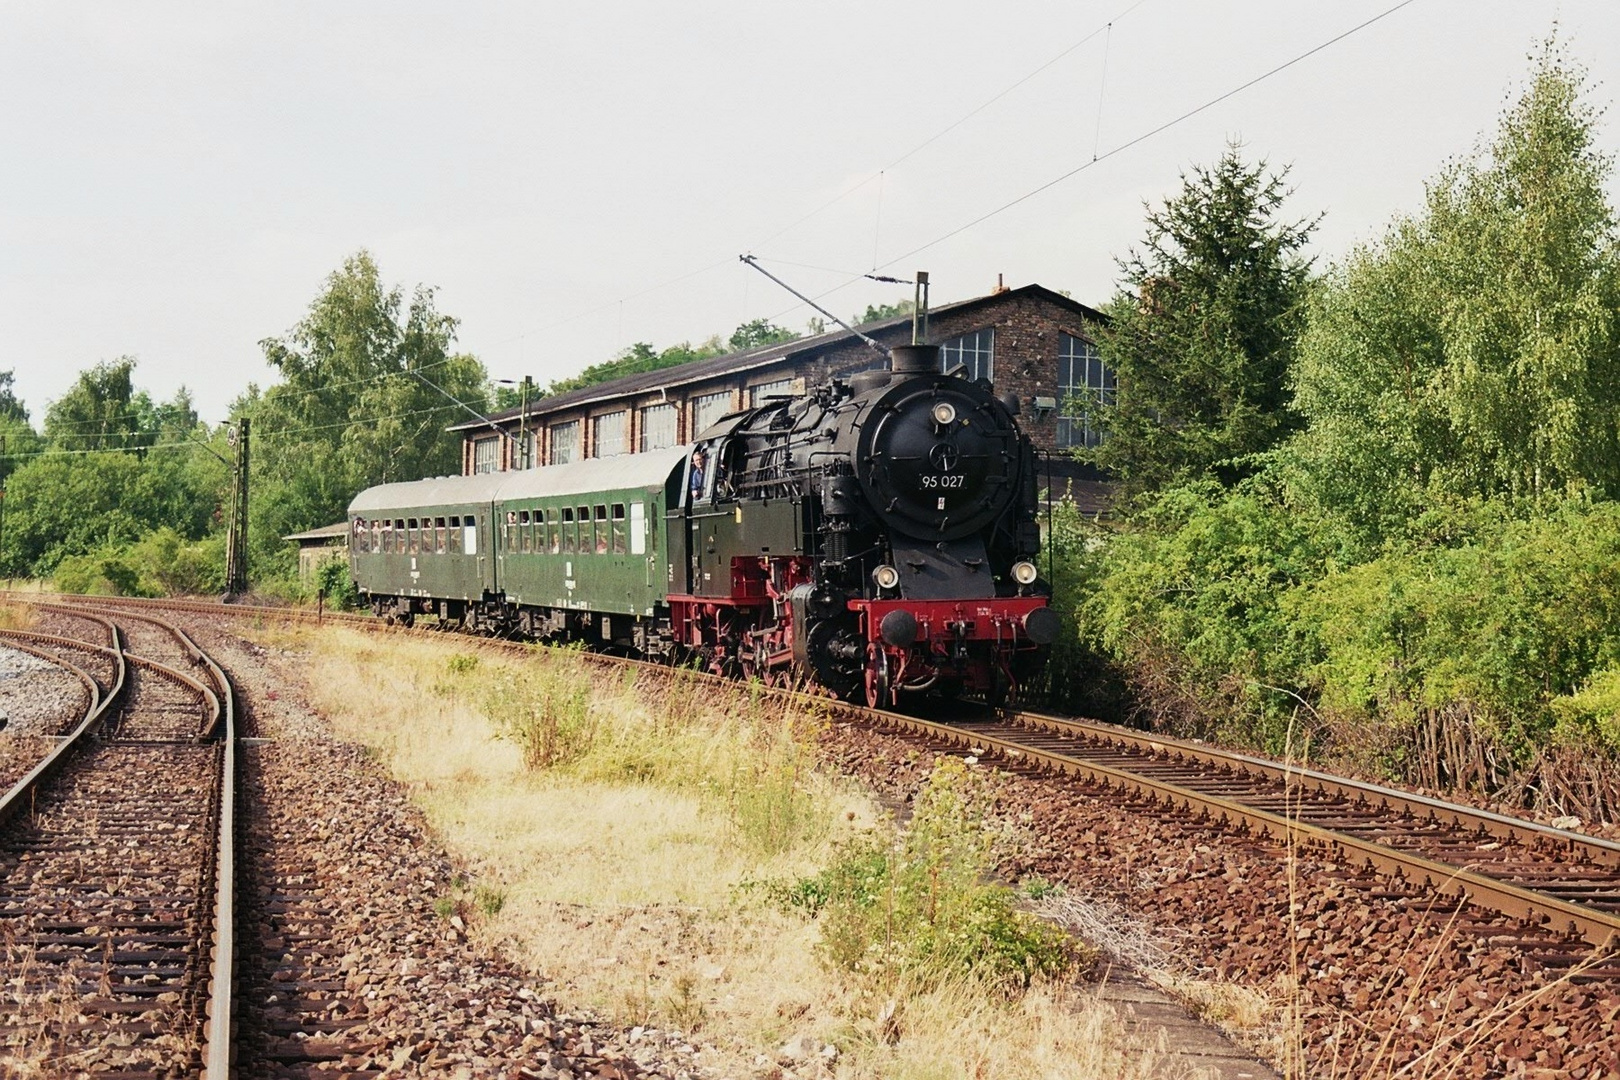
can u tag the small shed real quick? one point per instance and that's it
(319, 546)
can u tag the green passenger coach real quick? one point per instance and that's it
(587, 536)
(577, 548)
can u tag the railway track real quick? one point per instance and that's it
(1562, 883)
(116, 866)
(1555, 878)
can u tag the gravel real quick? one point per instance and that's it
(1382, 971)
(354, 957)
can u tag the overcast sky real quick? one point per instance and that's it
(178, 180)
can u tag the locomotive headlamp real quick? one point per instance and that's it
(1025, 573)
(944, 413)
(887, 577)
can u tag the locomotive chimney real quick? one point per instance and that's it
(914, 359)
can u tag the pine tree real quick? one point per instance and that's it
(1203, 341)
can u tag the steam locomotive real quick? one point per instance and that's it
(876, 537)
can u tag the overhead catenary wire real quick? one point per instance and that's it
(258, 433)
(1122, 147)
(281, 388)
(850, 190)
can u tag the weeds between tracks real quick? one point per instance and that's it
(611, 821)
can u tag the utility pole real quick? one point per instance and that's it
(523, 425)
(3, 517)
(236, 575)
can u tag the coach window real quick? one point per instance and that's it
(601, 529)
(618, 528)
(441, 537)
(568, 529)
(525, 532)
(587, 538)
(413, 536)
(553, 531)
(455, 536)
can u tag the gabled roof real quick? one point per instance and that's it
(733, 363)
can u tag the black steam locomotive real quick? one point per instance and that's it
(876, 537)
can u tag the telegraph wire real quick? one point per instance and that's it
(941, 133)
(948, 128)
(1161, 128)
(283, 387)
(1166, 126)
(258, 434)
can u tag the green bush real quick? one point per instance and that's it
(170, 565)
(1189, 601)
(333, 581)
(98, 574)
(1499, 629)
(1454, 656)
(923, 910)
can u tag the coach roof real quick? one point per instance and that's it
(650, 470)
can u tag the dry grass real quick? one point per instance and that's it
(15, 615)
(616, 871)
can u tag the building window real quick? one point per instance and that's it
(658, 427)
(486, 453)
(973, 351)
(607, 433)
(564, 442)
(708, 408)
(764, 392)
(1085, 387)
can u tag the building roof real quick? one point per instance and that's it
(649, 470)
(732, 363)
(335, 531)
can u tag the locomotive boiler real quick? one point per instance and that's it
(878, 536)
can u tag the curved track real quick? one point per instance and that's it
(1561, 881)
(115, 871)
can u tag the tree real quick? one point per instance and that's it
(636, 359)
(1474, 352)
(370, 384)
(879, 312)
(1203, 340)
(753, 334)
(10, 407)
(96, 413)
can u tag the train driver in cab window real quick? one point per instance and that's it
(695, 483)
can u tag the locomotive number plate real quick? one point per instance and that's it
(943, 481)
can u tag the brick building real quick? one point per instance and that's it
(1028, 341)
